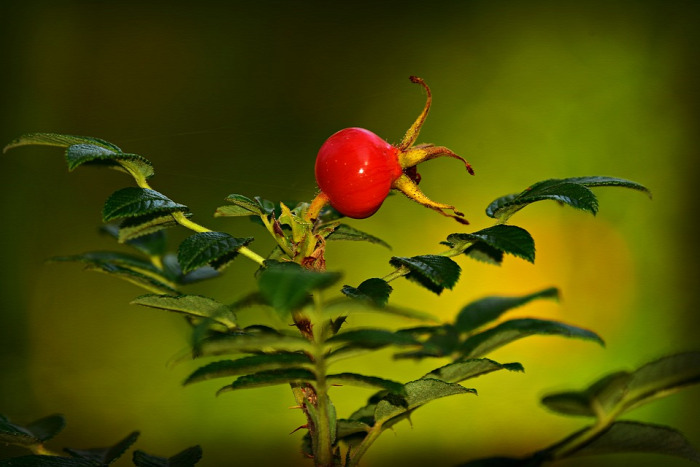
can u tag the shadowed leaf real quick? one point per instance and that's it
(186, 458)
(287, 286)
(345, 232)
(216, 249)
(470, 368)
(246, 365)
(270, 378)
(433, 272)
(505, 238)
(134, 202)
(105, 456)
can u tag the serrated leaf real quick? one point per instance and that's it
(509, 331)
(192, 305)
(153, 244)
(354, 379)
(46, 428)
(506, 238)
(246, 342)
(572, 191)
(90, 154)
(186, 458)
(470, 368)
(433, 272)
(562, 191)
(350, 427)
(627, 437)
(16, 434)
(346, 232)
(54, 139)
(135, 202)
(105, 456)
(418, 393)
(246, 365)
(595, 401)
(662, 378)
(126, 267)
(270, 378)
(374, 290)
(217, 249)
(372, 338)
(480, 251)
(242, 206)
(46, 461)
(286, 286)
(134, 228)
(441, 341)
(485, 310)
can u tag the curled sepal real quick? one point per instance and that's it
(216, 249)
(408, 187)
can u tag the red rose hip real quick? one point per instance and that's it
(356, 168)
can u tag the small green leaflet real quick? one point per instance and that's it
(54, 139)
(572, 191)
(153, 244)
(105, 456)
(251, 364)
(186, 458)
(192, 305)
(245, 342)
(372, 338)
(242, 206)
(487, 309)
(346, 232)
(354, 379)
(470, 368)
(624, 391)
(286, 286)
(628, 436)
(433, 272)
(418, 393)
(134, 228)
(217, 249)
(270, 378)
(34, 433)
(509, 331)
(506, 238)
(374, 290)
(134, 202)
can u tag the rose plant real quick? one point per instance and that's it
(355, 171)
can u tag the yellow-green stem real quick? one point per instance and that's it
(323, 452)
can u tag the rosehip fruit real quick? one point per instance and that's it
(356, 169)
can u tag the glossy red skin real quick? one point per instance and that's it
(355, 168)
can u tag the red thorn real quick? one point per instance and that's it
(299, 428)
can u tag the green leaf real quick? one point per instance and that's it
(662, 378)
(89, 154)
(374, 290)
(245, 365)
(372, 338)
(46, 461)
(598, 399)
(186, 458)
(135, 201)
(286, 286)
(441, 341)
(46, 428)
(350, 427)
(105, 456)
(126, 267)
(270, 378)
(54, 139)
(217, 249)
(346, 232)
(242, 206)
(628, 437)
(246, 342)
(509, 331)
(134, 228)
(470, 368)
(433, 272)
(354, 379)
(571, 191)
(480, 251)
(153, 244)
(33, 434)
(485, 310)
(191, 305)
(506, 238)
(418, 393)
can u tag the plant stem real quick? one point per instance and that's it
(317, 204)
(323, 451)
(371, 437)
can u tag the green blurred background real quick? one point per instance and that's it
(236, 97)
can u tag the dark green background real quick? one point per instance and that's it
(237, 97)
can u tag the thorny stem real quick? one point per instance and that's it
(323, 451)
